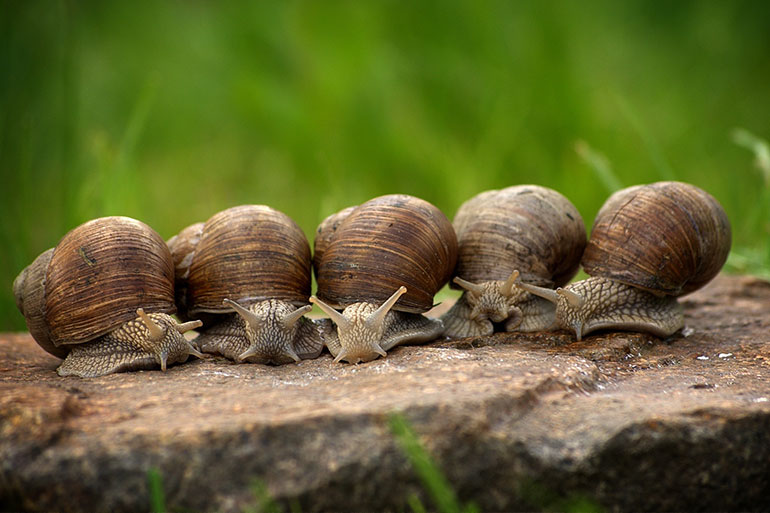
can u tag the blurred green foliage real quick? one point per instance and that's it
(172, 111)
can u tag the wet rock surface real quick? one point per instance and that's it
(618, 421)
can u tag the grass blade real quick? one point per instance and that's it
(157, 497)
(650, 143)
(600, 166)
(758, 146)
(756, 260)
(265, 502)
(432, 478)
(416, 504)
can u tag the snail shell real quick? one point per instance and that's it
(254, 260)
(77, 297)
(667, 237)
(392, 252)
(248, 253)
(529, 230)
(649, 245)
(385, 243)
(326, 231)
(182, 247)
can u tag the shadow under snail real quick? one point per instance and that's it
(649, 245)
(100, 300)
(247, 273)
(381, 263)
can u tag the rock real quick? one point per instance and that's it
(618, 421)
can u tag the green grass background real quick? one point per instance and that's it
(172, 111)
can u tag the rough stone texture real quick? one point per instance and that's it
(521, 421)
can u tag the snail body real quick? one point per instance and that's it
(85, 300)
(381, 264)
(525, 230)
(649, 245)
(247, 271)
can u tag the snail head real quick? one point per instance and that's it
(271, 326)
(573, 309)
(360, 327)
(165, 339)
(494, 300)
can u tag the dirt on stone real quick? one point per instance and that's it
(618, 421)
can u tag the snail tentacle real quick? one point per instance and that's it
(542, 292)
(573, 298)
(290, 319)
(156, 332)
(188, 326)
(336, 317)
(506, 289)
(376, 320)
(470, 287)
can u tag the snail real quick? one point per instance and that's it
(250, 266)
(649, 245)
(100, 300)
(525, 229)
(382, 264)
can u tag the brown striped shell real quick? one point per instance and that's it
(93, 281)
(528, 228)
(246, 254)
(182, 246)
(667, 237)
(388, 242)
(325, 231)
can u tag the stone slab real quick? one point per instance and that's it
(618, 421)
